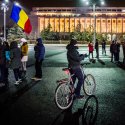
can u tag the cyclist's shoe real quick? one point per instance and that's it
(78, 96)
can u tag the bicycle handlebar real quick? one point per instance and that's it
(85, 63)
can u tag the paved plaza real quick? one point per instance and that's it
(32, 103)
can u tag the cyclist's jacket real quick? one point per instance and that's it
(73, 56)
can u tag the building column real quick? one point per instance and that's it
(74, 24)
(64, 24)
(54, 25)
(69, 24)
(111, 28)
(100, 25)
(122, 25)
(59, 24)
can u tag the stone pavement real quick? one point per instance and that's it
(32, 103)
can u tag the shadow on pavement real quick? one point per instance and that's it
(121, 65)
(84, 116)
(12, 98)
(101, 61)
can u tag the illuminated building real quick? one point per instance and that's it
(110, 21)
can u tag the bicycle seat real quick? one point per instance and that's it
(62, 80)
(65, 69)
(85, 63)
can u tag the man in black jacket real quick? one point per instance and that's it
(97, 48)
(74, 59)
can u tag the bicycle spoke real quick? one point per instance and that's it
(89, 85)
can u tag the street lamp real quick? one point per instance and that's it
(4, 7)
(94, 3)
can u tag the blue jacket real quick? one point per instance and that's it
(39, 50)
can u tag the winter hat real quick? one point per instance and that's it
(39, 40)
(73, 42)
(23, 40)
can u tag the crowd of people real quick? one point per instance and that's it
(14, 56)
(114, 49)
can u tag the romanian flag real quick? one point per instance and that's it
(19, 16)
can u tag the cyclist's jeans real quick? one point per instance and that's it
(80, 76)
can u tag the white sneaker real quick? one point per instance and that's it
(33, 78)
(16, 83)
(2, 84)
(20, 80)
(38, 79)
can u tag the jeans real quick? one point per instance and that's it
(2, 72)
(17, 74)
(80, 76)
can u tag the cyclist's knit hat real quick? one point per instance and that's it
(73, 42)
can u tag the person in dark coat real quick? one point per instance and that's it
(104, 46)
(15, 63)
(97, 48)
(123, 47)
(2, 64)
(117, 51)
(7, 61)
(112, 51)
(74, 59)
(39, 56)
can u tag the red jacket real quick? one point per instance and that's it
(90, 45)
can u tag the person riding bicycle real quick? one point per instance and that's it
(74, 59)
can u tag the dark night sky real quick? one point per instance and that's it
(65, 3)
(28, 4)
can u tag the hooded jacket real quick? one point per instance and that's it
(73, 56)
(39, 50)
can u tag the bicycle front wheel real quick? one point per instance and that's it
(89, 85)
(63, 96)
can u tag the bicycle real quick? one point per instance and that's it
(64, 92)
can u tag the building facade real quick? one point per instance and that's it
(109, 21)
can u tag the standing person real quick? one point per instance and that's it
(15, 56)
(7, 57)
(90, 45)
(74, 59)
(2, 64)
(24, 56)
(123, 47)
(39, 56)
(97, 48)
(112, 51)
(117, 51)
(104, 47)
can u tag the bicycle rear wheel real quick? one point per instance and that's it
(89, 85)
(63, 96)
